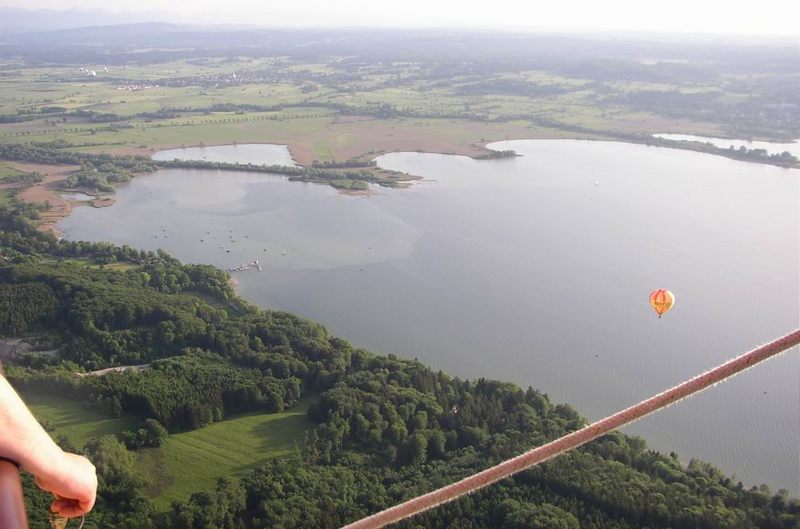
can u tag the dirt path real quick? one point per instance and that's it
(117, 369)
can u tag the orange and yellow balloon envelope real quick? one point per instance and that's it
(661, 300)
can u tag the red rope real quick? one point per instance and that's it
(577, 438)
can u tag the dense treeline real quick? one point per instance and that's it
(346, 164)
(24, 305)
(496, 155)
(102, 178)
(784, 159)
(408, 414)
(182, 393)
(289, 495)
(88, 116)
(228, 166)
(387, 429)
(133, 317)
(55, 153)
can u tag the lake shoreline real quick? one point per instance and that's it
(60, 208)
(392, 272)
(47, 191)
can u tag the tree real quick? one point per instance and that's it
(155, 434)
(118, 482)
(415, 449)
(530, 516)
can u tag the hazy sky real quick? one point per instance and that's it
(766, 17)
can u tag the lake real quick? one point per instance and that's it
(255, 153)
(534, 270)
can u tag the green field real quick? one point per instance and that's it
(6, 196)
(6, 170)
(380, 107)
(89, 263)
(208, 299)
(76, 421)
(193, 461)
(189, 461)
(313, 132)
(119, 267)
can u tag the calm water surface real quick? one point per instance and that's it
(534, 270)
(77, 197)
(256, 153)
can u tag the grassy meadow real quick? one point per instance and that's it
(192, 461)
(6, 195)
(6, 171)
(75, 420)
(188, 461)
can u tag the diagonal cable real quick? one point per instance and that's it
(577, 438)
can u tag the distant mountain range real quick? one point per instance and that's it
(97, 36)
(13, 19)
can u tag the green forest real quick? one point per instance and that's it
(382, 429)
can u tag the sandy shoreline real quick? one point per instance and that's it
(47, 192)
(302, 153)
(44, 192)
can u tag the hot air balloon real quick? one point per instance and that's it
(661, 300)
